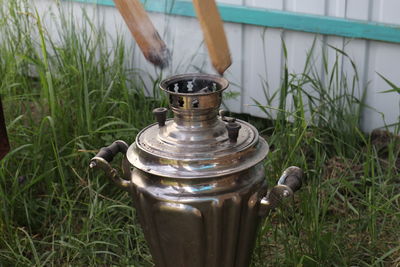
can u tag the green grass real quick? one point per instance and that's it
(349, 210)
(65, 99)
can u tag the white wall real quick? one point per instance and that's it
(257, 51)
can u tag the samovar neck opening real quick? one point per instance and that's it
(194, 98)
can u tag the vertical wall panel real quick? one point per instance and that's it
(234, 73)
(257, 51)
(301, 45)
(358, 9)
(389, 11)
(335, 8)
(272, 4)
(185, 41)
(262, 67)
(387, 103)
(316, 7)
(384, 58)
(262, 58)
(298, 43)
(358, 50)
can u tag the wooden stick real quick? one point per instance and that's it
(4, 144)
(214, 34)
(145, 34)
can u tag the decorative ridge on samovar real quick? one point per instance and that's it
(198, 180)
(199, 141)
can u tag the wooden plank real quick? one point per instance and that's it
(282, 19)
(145, 34)
(4, 143)
(214, 34)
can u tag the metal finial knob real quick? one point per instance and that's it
(161, 115)
(222, 113)
(233, 131)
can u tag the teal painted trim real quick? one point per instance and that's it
(279, 19)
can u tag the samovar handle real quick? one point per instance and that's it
(105, 156)
(290, 181)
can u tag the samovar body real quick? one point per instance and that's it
(199, 222)
(198, 180)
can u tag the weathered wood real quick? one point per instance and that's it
(214, 34)
(4, 144)
(144, 32)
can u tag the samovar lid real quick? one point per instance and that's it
(197, 142)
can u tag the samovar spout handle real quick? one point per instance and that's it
(290, 181)
(105, 156)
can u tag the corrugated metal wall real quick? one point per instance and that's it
(258, 56)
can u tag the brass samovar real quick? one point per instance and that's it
(198, 180)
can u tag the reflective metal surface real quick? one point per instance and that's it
(199, 222)
(197, 180)
(195, 143)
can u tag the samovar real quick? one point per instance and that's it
(197, 180)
